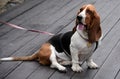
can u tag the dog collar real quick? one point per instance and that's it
(84, 38)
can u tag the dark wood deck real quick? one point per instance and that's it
(58, 16)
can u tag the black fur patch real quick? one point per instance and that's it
(61, 42)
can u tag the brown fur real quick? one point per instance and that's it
(44, 54)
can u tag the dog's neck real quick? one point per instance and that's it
(82, 32)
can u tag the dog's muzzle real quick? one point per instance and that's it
(80, 21)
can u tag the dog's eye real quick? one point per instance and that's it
(89, 11)
(81, 9)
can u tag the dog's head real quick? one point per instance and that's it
(89, 18)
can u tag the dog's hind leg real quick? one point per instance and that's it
(54, 62)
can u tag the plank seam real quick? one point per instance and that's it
(117, 74)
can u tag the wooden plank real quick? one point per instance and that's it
(98, 55)
(43, 12)
(104, 11)
(52, 18)
(18, 10)
(27, 67)
(43, 72)
(100, 3)
(111, 66)
(59, 75)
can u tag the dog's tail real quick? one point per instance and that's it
(22, 58)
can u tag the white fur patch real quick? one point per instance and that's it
(7, 59)
(54, 62)
(83, 14)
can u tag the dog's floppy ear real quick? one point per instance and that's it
(94, 30)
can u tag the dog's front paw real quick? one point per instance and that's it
(76, 68)
(92, 65)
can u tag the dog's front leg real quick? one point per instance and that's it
(75, 60)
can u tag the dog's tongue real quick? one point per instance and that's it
(80, 26)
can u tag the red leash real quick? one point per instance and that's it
(21, 28)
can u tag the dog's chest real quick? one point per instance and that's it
(78, 42)
(85, 52)
(81, 47)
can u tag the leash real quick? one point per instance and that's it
(25, 29)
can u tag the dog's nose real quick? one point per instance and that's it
(79, 18)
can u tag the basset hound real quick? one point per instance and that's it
(73, 47)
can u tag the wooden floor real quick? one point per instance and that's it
(57, 16)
